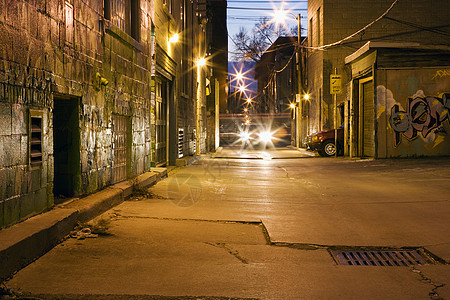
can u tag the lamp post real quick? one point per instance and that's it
(280, 16)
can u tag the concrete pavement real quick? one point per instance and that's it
(24, 242)
(262, 229)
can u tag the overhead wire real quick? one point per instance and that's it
(262, 8)
(355, 33)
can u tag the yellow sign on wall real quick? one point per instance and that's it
(335, 84)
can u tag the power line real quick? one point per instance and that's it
(268, 2)
(264, 8)
(357, 32)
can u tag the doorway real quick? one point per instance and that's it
(66, 148)
(162, 95)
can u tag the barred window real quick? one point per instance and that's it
(118, 13)
(35, 138)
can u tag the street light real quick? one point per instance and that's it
(239, 76)
(174, 38)
(201, 62)
(280, 16)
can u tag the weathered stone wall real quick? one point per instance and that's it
(44, 53)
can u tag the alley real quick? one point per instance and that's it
(261, 228)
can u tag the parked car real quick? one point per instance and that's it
(323, 142)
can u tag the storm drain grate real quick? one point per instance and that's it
(390, 258)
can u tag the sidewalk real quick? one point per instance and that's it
(288, 152)
(24, 242)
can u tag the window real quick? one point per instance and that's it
(68, 13)
(311, 32)
(124, 14)
(35, 139)
(318, 27)
(168, 5)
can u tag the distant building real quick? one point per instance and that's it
(217, 53)
(277, 78)
(330, 40)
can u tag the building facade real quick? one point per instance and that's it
(277, 78)
(407, 114)
(93, 93)
(334, 32)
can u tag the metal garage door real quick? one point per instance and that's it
(368, 128)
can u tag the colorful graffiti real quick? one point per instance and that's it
(422, 114)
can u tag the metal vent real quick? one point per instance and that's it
(180, 142)
(390, 258)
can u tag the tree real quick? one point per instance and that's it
(251, 47)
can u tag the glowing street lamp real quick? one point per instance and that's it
(280, 16)
(174, 38)
(201, 62)
(249, 100)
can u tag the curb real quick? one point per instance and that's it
(189, 160)
(25, 242)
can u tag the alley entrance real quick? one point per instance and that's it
(66, 147)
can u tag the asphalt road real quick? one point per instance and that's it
(262, 228)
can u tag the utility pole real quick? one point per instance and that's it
(300, 88)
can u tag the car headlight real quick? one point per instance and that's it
(265, 136)
(315, 138)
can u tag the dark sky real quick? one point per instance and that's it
(245, 13)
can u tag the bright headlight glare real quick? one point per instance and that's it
(245, 136)
(265, 136)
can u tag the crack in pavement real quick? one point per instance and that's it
(235, 253)
(433, 294)
(285, 171)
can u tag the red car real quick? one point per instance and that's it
(323, 142)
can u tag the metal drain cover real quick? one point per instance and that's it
(389, 258)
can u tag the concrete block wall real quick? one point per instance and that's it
(340, 19)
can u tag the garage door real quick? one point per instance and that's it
(368, 128)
